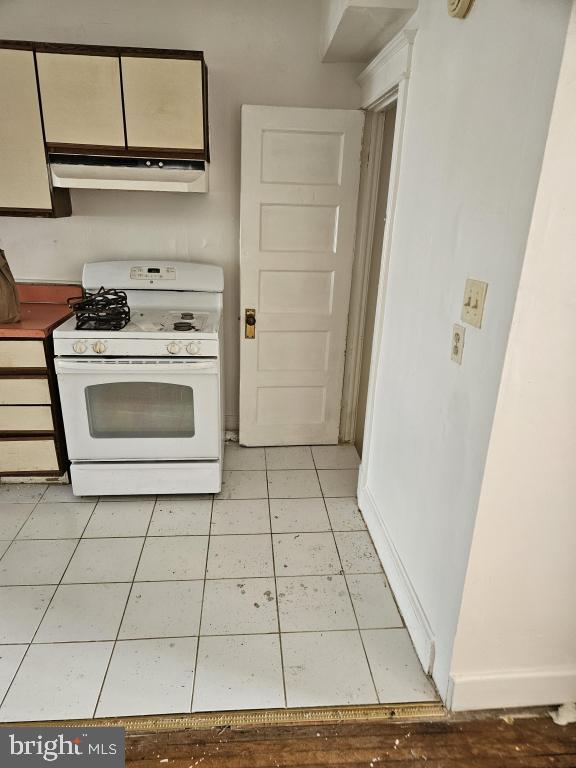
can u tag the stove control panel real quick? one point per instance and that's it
(129, 347)
(161, 272)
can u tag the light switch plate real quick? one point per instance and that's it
(458, 333)
(473, 304)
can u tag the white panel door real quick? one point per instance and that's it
(300, 174)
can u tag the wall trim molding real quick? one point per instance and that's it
(521, 687)
(385, 80)
(406, 596)
(386, 70)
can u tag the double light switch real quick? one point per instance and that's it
(473, 304)
(472, 311)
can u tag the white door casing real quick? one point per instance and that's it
(299, 192)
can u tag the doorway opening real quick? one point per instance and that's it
(374, 270)
(369, 273)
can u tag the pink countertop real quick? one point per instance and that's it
(43, 307)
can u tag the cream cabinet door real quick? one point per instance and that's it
(163, 102)
(81, 99)
(24, 182)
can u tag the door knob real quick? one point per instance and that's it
(249, 323)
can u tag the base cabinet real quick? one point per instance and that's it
(31, 433)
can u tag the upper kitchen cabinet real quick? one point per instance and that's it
(25, 188)
(81, 100)
(165, 103)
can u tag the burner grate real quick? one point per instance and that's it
(105, 310)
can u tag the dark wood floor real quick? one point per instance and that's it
(533, 742)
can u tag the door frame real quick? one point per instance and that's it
(383, 82)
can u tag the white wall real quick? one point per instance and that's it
(478, 106)
(258, 52)
(516, 640)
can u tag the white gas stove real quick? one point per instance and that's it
(142, 405)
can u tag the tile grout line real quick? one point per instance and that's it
(175, 581)
(26, 520)
(343, 572)
(115, 641)
(204, 580)
(217, 634)
(275, 584)
(14, 676)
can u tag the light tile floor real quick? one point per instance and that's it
(269, 595)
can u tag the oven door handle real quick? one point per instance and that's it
(63, 365)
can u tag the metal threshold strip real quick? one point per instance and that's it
(255, 717)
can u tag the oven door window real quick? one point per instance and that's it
(140, 409)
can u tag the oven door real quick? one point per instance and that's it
(140, 409)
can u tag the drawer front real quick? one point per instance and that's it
(28, 456)
(26, 418)
(24, 391)
(22, 354)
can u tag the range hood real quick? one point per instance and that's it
(130, 173)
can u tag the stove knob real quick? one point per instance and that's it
(193, 349)
(99, 347)
(79, 347)
(173, 348)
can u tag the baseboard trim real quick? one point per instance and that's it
(512, 688)
(404, 592)
(231, 422)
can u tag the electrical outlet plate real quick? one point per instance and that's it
(473, 304)
(458, 333)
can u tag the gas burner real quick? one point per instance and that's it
(105, 310)
(187, 315)
(183, 327)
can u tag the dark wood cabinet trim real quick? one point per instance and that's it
(13, 434)
(61, 202)
(44, 212)
(184, 154)
(205, 108)
(57, 421)
(102, 50)
(123, 102)
(85, 149)
(45, 473)
(22, 373)
(143, 152)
